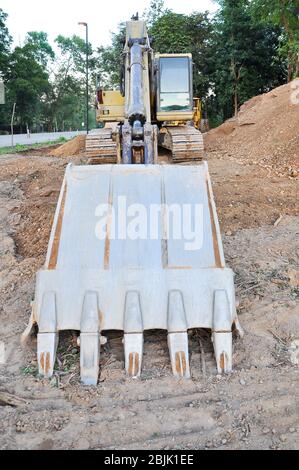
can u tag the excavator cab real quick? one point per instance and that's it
(174, 87)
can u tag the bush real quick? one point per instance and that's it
(20, 148)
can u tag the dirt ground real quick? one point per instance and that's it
(256, 407)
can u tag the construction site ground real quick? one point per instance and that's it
(256, 407)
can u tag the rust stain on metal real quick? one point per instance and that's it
(55, 246)
(45, 362)
(180, 363)
(101, 319)
(42, 361)
(48, 363)
(218, 262)
(131, 360)
(133, 364)
(222, 361)
(136, 365)
(108, 229)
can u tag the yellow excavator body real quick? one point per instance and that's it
(112, 107)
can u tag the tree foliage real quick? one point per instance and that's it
(284, 14)
(244, 57)
(248, 47)
(108, 59)
(155, 11)
(27, 84)
(39, 45)
(5, 42)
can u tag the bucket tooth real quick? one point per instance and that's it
(222, 332)
(46, 352)
(133, 337)
(178, 336)
(223, 352)
(90, 340)
(133, 346)
(89, 358)
(179, 354)
(47, 338)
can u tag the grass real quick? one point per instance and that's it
(30, 370)
(21, 148)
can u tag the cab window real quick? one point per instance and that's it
(175, 84)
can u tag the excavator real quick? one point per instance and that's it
(135, 244)
(154, 107)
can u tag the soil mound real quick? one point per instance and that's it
(265, 132)
(72, 148)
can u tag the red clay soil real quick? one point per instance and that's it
(72, 148)
(265, 132)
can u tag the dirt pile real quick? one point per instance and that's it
(265, 132)
(72, 148)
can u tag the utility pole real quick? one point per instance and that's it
(87, 73)
(12, 121)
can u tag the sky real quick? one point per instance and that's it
(62, 16)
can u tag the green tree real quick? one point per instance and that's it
(5, 42)
(244, 57)
(28, 84)
(41, 49)
(172, 34)
(155, 11)
(73, 52)
(108, 59)
(67, 101)
(285, 14)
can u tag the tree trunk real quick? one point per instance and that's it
(236, 76)
(236, 101)
(290, 70)
(285, 23)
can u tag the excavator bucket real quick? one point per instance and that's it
(134, 248)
